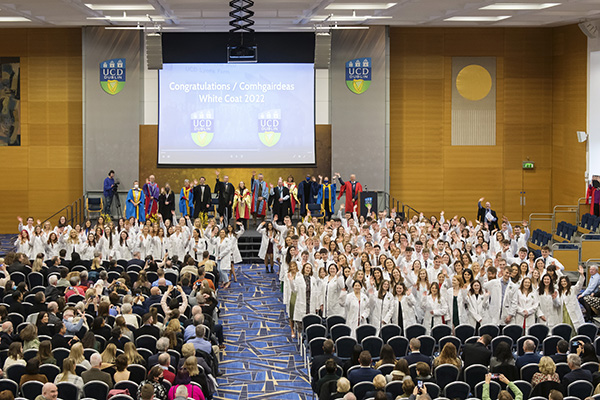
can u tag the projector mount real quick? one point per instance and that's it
(241, 15)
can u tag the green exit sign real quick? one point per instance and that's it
(528, 165)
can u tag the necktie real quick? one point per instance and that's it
(400, 318)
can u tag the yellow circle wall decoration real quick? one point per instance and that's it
(473, 82)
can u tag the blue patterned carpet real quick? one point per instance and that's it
(261, 360)
(7, 244)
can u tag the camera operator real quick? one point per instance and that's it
(109, 191)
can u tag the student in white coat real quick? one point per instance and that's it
(308, 289)
(233, 235)
(381, 304)
(23, 244)
(572, 313)
(356, 306)
(196, 245)
(455, 298)
(502, 291)
(267, 244)
(527, 303)
(223, 256)
(403, 313)
(123, 249)
(477, 306)
(332, 286)
(435, 307)
(88, 249)
(550, 311)
(291, 294)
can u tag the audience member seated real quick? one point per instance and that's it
(183, 381)
(68, 374)
(32, 372)
(478, 352)
(164, 361)
(379, 382)
(448, 356)
(162, 346)
(587, 353)
(408, 386)
(321, 387)
(7, 395)
(15, 355)
(577, 373)
(343, 388)
(321, 359)
(155, 377)
(419, 394)
(6, 336)
(49, 392)
(547, 372)
(503, 362)
(78, 357)
(365, 373)
(504, 394)
(386, 356)
(122, 373)
(414, 356)
(95, 374)
(45, 353)
(562, 347)
(400, 371)
(530, 356)
(356, 350)
(424, 372)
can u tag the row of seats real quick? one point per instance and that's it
(590, 222)
(541, 238)
(566, 230)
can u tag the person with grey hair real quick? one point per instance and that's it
(128, 316)
(49, 392)
(590, 297)
(181, 393)
(95, 374)
(51, 291)
(190, 330)
(52, 311)
(199, 342)
(6, 336)
(530, 355)
(162, 345)
(577, 373)
(349, 396)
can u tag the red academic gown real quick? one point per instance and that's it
(591, 197)
(347, 188)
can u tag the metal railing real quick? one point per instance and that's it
(74, 212)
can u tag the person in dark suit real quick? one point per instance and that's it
(487, 215)
(95, 374)
(225, 191)
(162, 345)
(147, 328)
(415, 355)
(279, 200)
(7, 336)
(154, 298)
(320, 360)
(59, 339)
(577, 373)
(330, 368)
(561, 352)
(18, 265)
(202, 200)
(365, 373)
(478, 352)
(530, 357)
(379, 382)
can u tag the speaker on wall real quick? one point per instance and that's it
(589, 28)
(154, 56)
(581, 136)
(322, 50)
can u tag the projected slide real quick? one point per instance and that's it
(236, 114)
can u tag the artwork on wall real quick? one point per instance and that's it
(10, 101)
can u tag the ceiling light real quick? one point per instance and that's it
(133, 18)
(119, 7)
(14, 19)
(360, 6)
(477, 19)
(519, 6)
(347, 18)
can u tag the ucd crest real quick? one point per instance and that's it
(358, 75)
(269, 127)
(112, 75)
(203, 127)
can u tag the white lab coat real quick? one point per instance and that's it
(551, 309)
(38, 246)
(177, 245)
(264, 242)
(525, 302)
(462, 310)
(298, 285)
(195, 249)
(159, 247)
(223, 255)
(571, 303)
(236, 255)
(478, 309)
(499, 309)
(440, 310)
(331, 296)
(381, 309)
(356, 309)
(408, 311)
(123, 251)
(25, 248)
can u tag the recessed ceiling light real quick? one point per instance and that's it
(347, 18)
(477, 19)
(132, 18)
(360, 6)
(119, 7)
(519, 6)
(14, 19)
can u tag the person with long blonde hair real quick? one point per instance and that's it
(133, 357)
(77, 356)
(68, 374)
(109, 355)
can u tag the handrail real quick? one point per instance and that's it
(568, 208)
(407, 214)
(74, 212)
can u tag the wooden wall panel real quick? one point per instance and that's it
(431, 175)
(44, 174)
(176, 175)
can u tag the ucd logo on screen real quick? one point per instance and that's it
(269, 127)
(112, 75)
(358, 75)
(203, 127)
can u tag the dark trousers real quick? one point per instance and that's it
(588, 309)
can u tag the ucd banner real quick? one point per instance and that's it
(269, 127)
(112, 75)
(358, 75)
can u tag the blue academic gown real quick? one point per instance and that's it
(314, 186)
(135, 212)
(330, 191)
(183, 209)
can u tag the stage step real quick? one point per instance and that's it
(249, 245)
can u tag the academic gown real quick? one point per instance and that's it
(151, 193)
(164, 208)
(327, 192)
(307, 190)
(259, 189)
(186, 201)
(346, 188)
(241, 204)
(132, 210)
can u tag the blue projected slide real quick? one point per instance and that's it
(236, 114)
